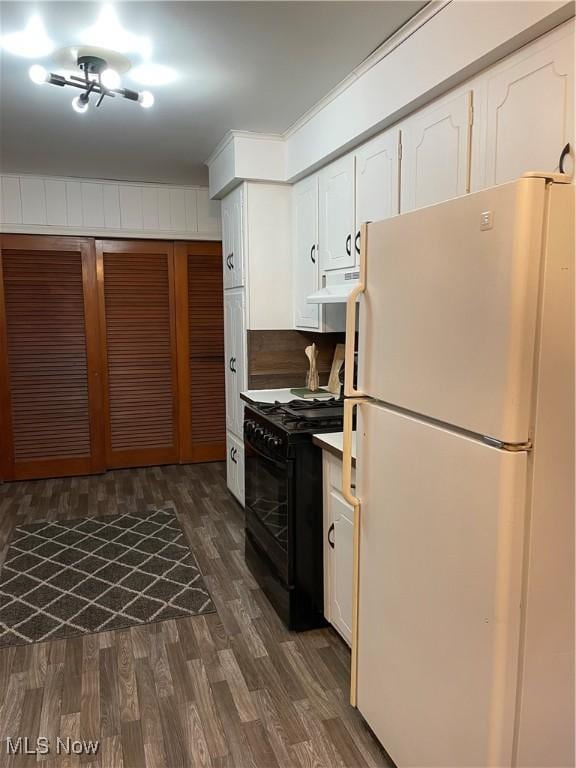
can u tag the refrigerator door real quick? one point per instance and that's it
(440, 560)
(448, 318)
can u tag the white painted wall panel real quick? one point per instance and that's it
(191, 210)
(111, 198)
(52, 205)
(164, 222)
(177, 209)
(208, 212)
(150, 208)
(33, 201)
(131, 207)
(56, 207)
(10, 200)
(74, 203)
(92, 205)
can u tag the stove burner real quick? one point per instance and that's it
(300, 414)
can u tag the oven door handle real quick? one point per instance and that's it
(286, 465)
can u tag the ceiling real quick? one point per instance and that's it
(255, 66)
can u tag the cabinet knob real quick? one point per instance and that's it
(313, 254)
(349, 245)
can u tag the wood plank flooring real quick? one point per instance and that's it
(228, 689)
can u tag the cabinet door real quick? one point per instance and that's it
(235, 358)
(306, 256)
(530, 110)
(436, 152)
(342, 559)
(337, 214)
(235, 466)
(233, 238)
(377, 167)
(227, 239)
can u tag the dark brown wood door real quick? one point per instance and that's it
(200, 323)
(50, 375)
(137, 311)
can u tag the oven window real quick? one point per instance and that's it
(267, 493)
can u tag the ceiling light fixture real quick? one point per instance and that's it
(31, 42)
(97, 77)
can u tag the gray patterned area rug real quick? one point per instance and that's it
(67, 577)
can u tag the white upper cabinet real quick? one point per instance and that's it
(436, 152)
(337, 219)
(306, 256)
(233, 238)
(377, 177)
(529, 113)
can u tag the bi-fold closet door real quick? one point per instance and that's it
(50, 362)
(137, 320)
(111, 355)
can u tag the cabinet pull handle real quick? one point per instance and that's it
(349, 245)
(233, 453)
(357, 243)
(312, 254)
(565, 152)
(229, 262)
(232, 260)
(331, 531)
(232, 364)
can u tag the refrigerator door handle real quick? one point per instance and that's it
(350, 346)
(349, 406)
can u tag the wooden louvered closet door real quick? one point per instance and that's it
(50, 376)
(136, 288)
(200, 323)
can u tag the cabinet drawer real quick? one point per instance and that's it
(333, 466)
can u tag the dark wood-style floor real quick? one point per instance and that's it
(233, 688)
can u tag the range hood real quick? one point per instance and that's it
(337, 288)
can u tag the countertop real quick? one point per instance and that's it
(270, 396)
(332, 442)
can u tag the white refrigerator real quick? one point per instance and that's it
(463, 646)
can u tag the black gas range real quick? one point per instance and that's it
(283, 489)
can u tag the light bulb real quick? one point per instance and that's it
(110, 79)
(38, 74)
(80, 105)
(146, 99)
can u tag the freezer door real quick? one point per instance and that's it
(442, 519)
(448, 319)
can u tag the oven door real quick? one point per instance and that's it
(268, 505)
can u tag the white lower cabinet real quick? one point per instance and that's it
(235, 466)
(338, 549)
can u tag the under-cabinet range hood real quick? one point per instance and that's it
(337, 287)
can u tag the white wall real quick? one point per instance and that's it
(91, 207)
